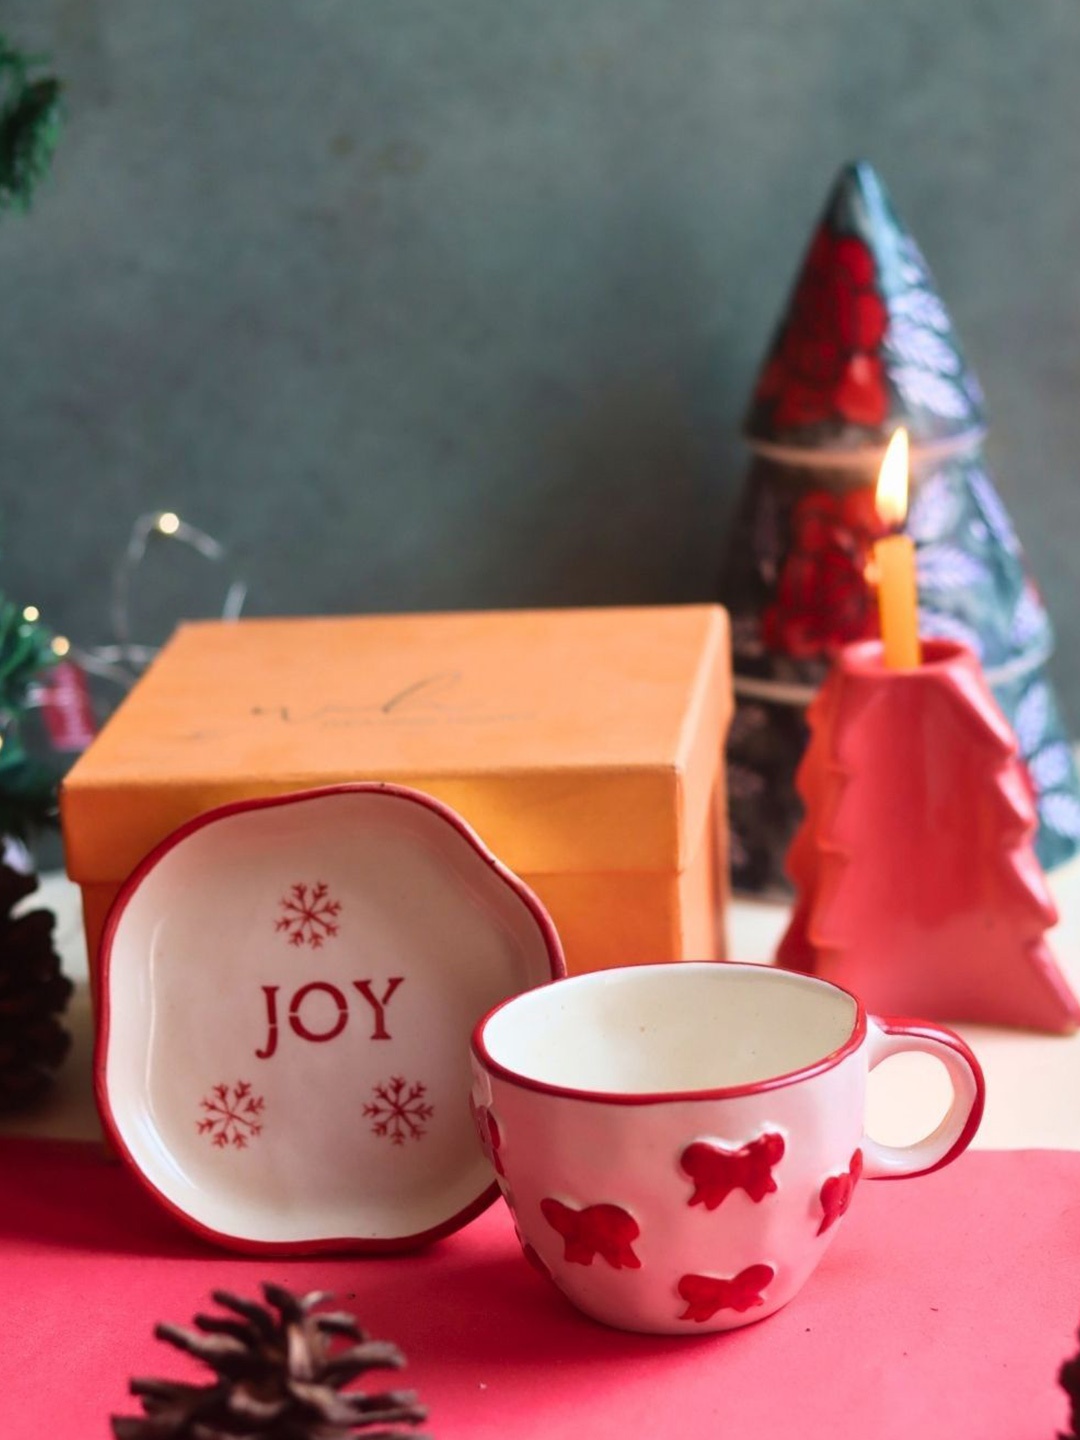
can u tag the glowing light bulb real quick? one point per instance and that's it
(168, 523)
(60, 645)
(31, 613)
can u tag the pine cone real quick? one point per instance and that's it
(278, 1376)
(33, 992)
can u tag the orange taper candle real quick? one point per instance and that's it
(894, 559)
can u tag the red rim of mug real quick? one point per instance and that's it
(856, 1037)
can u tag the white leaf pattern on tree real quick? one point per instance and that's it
(972, 388)
(913, 267)
(923, 308)
(1031, 718)
(935, 509)
(993, 511)
(1061, 812)
(929, 372)
(910, 274)
(923, 389)
(1051, 767)
(948, 627)
(945, 567)
(916, 345)
(1029, 618)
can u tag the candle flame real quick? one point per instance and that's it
(891, 496)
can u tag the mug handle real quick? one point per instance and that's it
(894, 1036)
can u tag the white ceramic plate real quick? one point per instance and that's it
(288, 987)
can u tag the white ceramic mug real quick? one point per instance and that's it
(678, 1142)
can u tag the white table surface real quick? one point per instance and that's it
(1033, 1081)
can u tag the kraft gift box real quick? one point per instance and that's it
(584, 746)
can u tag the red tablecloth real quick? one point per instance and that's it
(942, 1312)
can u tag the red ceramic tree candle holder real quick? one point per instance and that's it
(918, 887)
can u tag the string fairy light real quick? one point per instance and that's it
(167, 525)
(123, 661)
(120, 663)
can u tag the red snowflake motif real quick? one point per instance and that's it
(399, 1111)
(232, 1116)
(837, 1193)
(716, 1171)
(604, 1230)
(826, 364)
(308, 915)
(706, 1294)
(487, 1127)
(823, 598)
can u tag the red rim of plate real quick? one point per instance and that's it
(354, 1244)
(665, 1097)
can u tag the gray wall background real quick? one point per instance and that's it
(421, 304)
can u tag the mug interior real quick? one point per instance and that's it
(670, 1029)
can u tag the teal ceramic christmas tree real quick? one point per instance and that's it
(865, 345)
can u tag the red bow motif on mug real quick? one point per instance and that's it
(487, 1128)
(604, 1230)
(837, 1191)
(716, 1172)
(706, 1294)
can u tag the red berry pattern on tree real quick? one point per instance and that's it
(604, 1230)
(838, 1191)
(823, 598)
(308, 915)
(399, 1111)
(705, 1295)
(717, 1171)
(827, 364)
(232, 1116)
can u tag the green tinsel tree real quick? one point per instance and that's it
(33, 989)
(29, 125)
(27, 785)
(29, 128)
